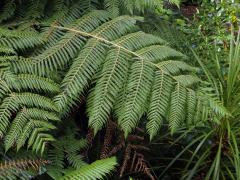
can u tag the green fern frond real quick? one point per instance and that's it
(138, 40)
(66, 150)
(29, 100)
(85, 66)
(7, 50)
(137, 46)
(191, 106)
(76, 160)
(175, 67)
(69, 44)
(177, 108)
(21, 120)
(107, 88)
(27, 82)
(31, 131)
(187, 80)
(95, 50)
(138, 89)
(156, 53)
(33, 107)
(35, 9)
(141, 5)
(112, 6)
(159, 102)
(97, 170)
(4, 88)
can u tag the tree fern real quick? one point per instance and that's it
(149, 53)
(119, 61)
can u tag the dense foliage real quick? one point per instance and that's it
(89, 87)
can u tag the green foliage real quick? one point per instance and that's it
(56, 54)
(115, 7)
(66, 152)
(97, 170)
(110, 53)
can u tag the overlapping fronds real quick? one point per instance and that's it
(131, 74)
(26, 115)
(121, 60)
(125, 60)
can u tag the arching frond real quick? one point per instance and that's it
(97, 170)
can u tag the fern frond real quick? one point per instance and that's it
(7, 51)
(159, 102)
(177, 108)
(138, 89)
(7, 107)
(137, 40)
(68, 46)
(141, 5)
(21, 120)
(76, 160)
(85, 66)
(39, 138)
(29, 100)
(33, 107)
(95, 50)
(31, 131)
(4, 88)
(66, 149)
(191, 106)
(187, 80)
(175, 67)
(151, 51)
(107, 88)
(112, 6)
(97, 170)
(35, 9)
(22, 43)
(156, 53)
(27, 82)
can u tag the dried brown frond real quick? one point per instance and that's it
(90, 137)
(107, 140)
(127, 156)
(134, 138)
